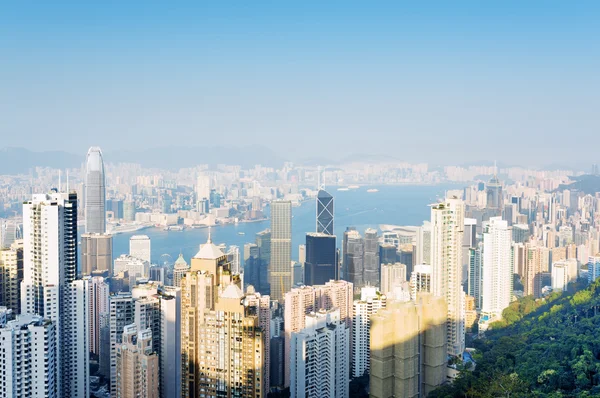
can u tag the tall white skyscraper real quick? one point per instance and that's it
(319, 365)
(95, 193)
(28, 364)
(447, 223)
(497, 271)
(280, 272)
(139, 247)
(203, 187)
(49, 288)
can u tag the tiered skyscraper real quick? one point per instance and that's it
(95, 193)
(447, 223)
(49, 287)
(280, 271)
(222, 349)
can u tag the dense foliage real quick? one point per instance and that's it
(542, 348)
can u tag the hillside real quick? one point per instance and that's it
(550, 348)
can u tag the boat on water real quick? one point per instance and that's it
(241, 233)
(343, 189)
(373, 190)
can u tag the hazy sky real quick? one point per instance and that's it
(449, 81)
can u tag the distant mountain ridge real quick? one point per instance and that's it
(21, 161)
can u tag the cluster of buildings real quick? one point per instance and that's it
(393, 305)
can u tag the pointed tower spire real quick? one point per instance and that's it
(209, 235)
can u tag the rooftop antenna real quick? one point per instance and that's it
(319, 178)
(209, 235)
(67, 180)
(59, 180)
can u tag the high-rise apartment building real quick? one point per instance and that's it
(29, 358)
(532, 278)
(222, 350)
(99, 310)
(563, 273)
(11, 276)
(261, 306)
(280, 271)
(392, 275)
(121, 315)
(475, 276)
(319, 357)
(306, 299)
(325, 212)
(593, 268)
(447, 223)
(420, 280)
(408, 348)
(497, 270)
(139, 247)
(321, 263)
(49, 288)
(137, 365)
(96, 253)
(95, 193)
(370, 302)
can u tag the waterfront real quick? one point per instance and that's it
(398, 205)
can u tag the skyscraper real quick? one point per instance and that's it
(392, 275)
(371, 258)
(354, 246)
(95, 193)
(324, 212)
(96, 253)
(280, 270)
(494, 193)
(321, 259)
(179, 269)
(497, 270)
(139, 247)
(49, 288)
(447, 223)
(263, 241)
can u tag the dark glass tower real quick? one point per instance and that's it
(324, 212)
(321, 259)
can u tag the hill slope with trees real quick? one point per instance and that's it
(543, 348)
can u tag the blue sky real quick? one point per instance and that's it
(436, 81)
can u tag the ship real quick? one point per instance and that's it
(373, 190)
